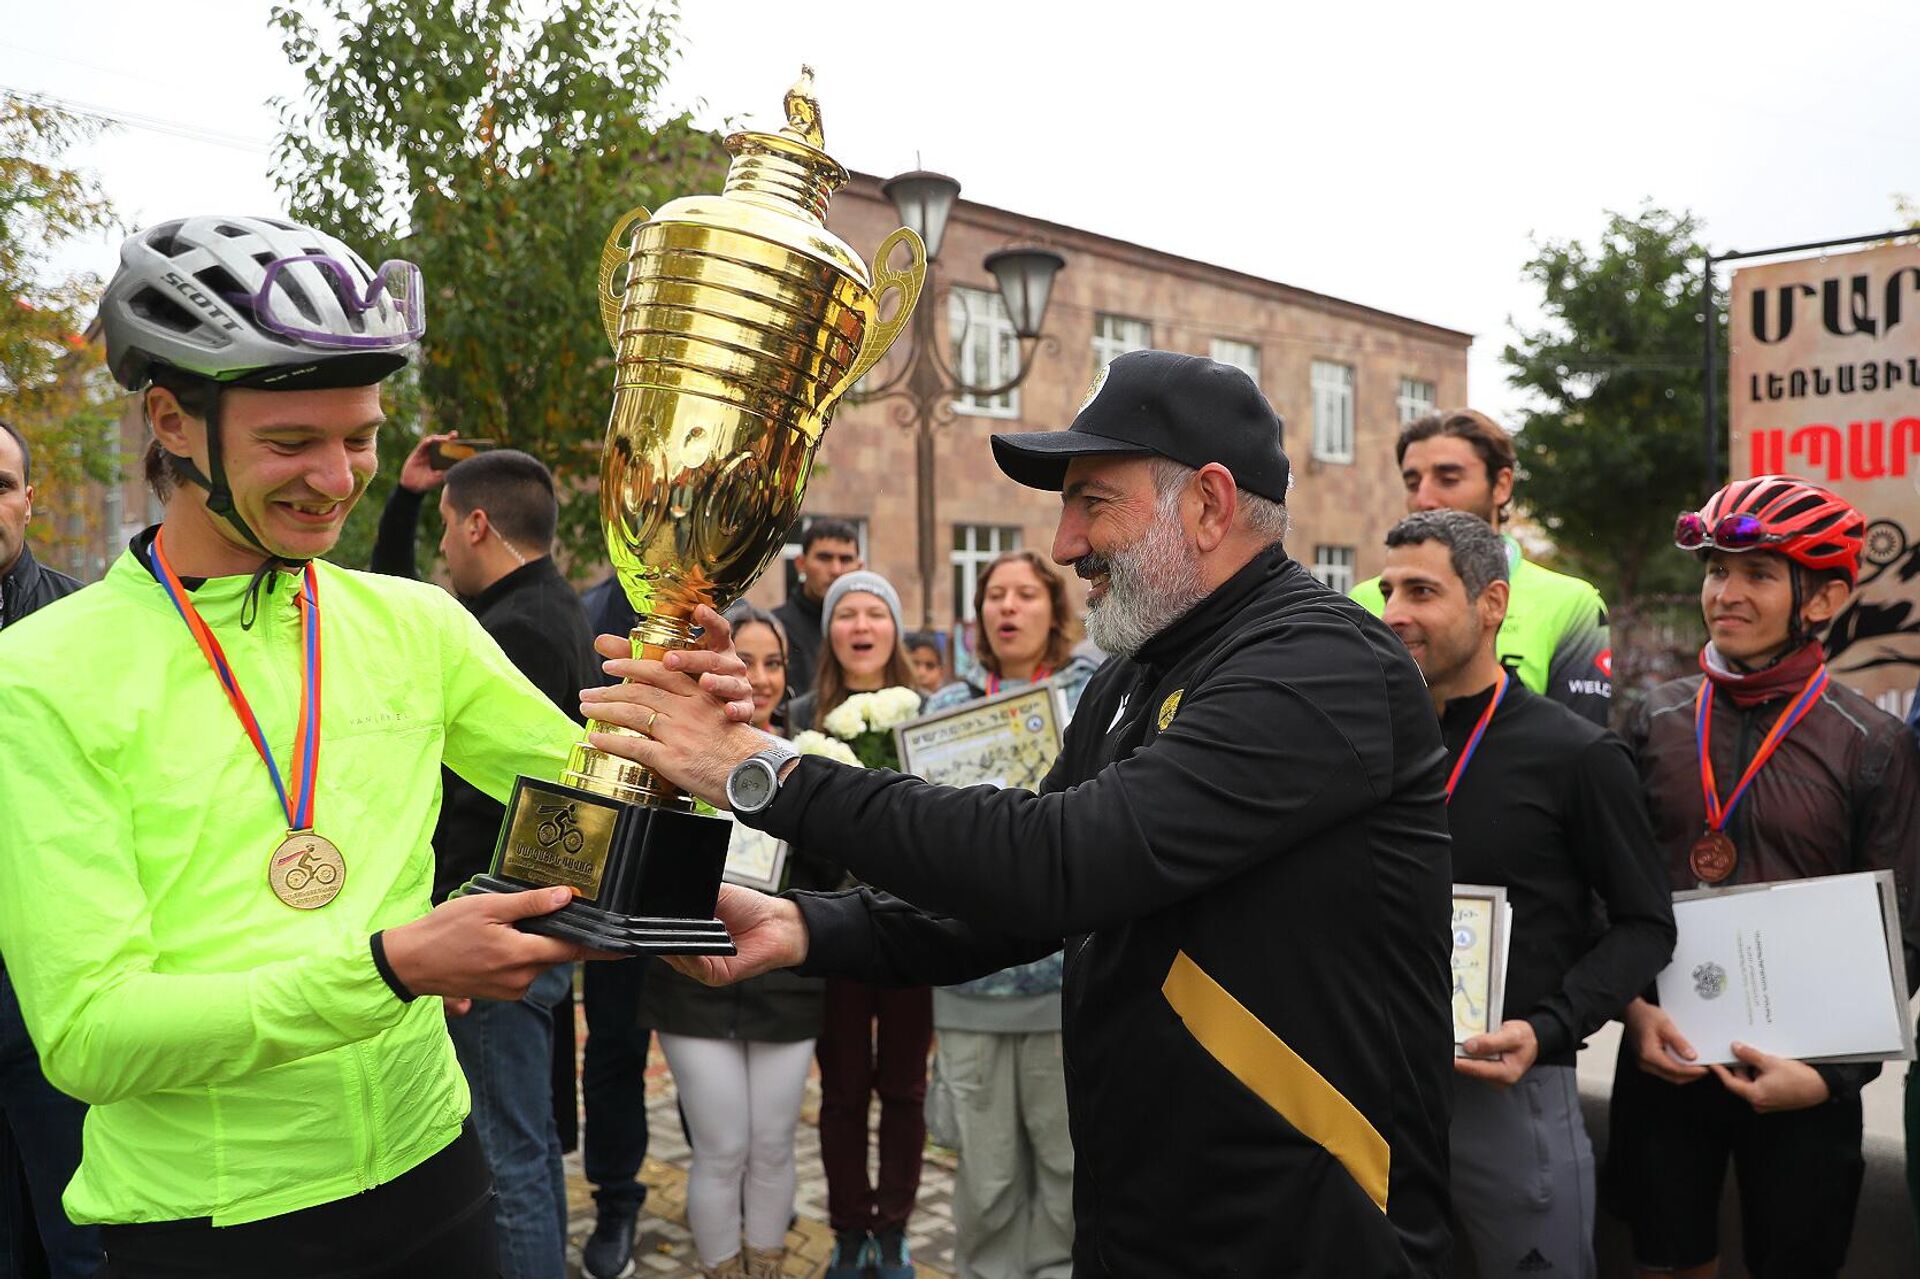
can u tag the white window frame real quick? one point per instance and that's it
(1332, 411)
(1333, 566)
(1115, 335)
(1417, 397)
(1244, 356)
(991, 351)
(974, 547)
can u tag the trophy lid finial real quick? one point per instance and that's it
(803, 111)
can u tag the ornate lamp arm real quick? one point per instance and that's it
(1029, 349)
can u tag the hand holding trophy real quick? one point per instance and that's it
(742, 322)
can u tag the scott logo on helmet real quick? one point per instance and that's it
(193, 294)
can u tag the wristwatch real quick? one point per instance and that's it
(755, 781)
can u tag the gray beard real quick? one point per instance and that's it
(1150, 586)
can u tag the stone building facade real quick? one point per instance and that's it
(1343, 376)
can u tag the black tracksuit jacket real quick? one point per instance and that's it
(1550, 808)
(1244, 846)
(30, 586)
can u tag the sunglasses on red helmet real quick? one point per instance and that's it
(1733, 533)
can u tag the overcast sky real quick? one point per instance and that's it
(1402, 155)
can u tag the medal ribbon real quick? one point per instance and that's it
(1479, 731)
(993, 681)
(306, 758)
(1719, 813)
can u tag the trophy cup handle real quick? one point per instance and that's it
(613, 255)
(908, 279)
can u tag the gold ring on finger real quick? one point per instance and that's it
(648, 730)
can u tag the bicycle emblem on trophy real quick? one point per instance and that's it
(559, 825)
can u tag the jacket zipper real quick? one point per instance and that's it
(370, 1162)
(1083, 1167)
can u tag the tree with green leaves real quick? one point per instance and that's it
(53, 383)
(1612, 445)
(496, 150)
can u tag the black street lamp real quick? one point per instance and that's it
(925, 385)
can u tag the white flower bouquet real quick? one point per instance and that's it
(862, 726)
(808, 742)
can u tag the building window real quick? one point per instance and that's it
(1416, 398)
(1116, 335)
(790, 550)
(986, 350)
(974, 547)
(1333, 565)
(1244, 356)
(1332, 411)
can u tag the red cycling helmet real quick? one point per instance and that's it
(1783, 514)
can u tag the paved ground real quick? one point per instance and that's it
(665, 1247)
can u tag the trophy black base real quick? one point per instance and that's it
(646, 879)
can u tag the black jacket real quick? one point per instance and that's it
(1550, 809)
(800, 618)
(30, 586)
(1244, 842)
(537, 620)
(1842, 793)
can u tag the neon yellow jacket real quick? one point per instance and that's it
(243, 1059)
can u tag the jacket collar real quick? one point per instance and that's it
(1464, 712)
(1204, 618)
(530, 574)
(22, 577)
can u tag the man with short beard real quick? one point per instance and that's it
(1547, 806)
(1243, 843)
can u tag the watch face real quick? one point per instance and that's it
(752, 786)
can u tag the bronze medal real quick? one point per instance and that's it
(306, 870)
(1712, 857)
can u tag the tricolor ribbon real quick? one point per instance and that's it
(993, 681)
(1479, 731)
(306, 758)
(1719, 813)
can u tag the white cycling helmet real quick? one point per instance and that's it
(263, 301)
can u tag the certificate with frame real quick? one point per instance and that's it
(1482, 928)
(755, 859)
(1008, 740)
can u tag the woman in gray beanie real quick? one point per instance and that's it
(862, 652)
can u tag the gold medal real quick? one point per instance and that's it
(306, 870)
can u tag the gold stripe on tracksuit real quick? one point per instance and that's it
(1262, 1061)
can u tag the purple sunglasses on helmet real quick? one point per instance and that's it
(400, 280)
(1732, 533)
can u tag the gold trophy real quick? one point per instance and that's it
(742, 322)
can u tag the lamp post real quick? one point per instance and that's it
(925, 385)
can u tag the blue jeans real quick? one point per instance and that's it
(613, 1084)
(506, 1050)
(40, 1138)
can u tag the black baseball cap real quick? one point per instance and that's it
(1161, 404)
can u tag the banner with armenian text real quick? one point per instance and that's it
(1824, 383)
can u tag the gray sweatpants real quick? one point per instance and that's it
(1523, 1175)
(1013, 1187)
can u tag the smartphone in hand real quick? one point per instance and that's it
(442, 454)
